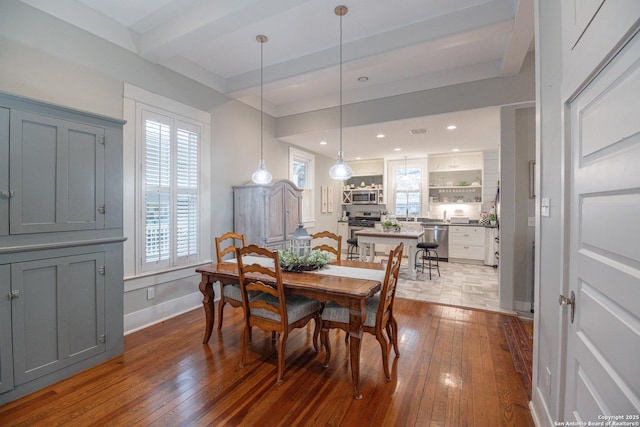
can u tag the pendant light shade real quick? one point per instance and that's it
(261, 175)
(340, 170)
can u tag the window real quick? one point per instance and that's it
(301, 172)
(408, 191)
(170, 179)
(406, 179)
(166, 194)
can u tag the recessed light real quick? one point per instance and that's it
(323, 142)
(363, 79)
(380, 135)
(455, 150)
(451, 127)
(397, 149)
(358, 158)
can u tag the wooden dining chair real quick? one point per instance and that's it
(379, 319)
(229, 292)
(270, 309)
(337, 250)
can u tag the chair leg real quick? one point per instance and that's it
(316, 333)
(221, 303)
(394, 334)
(324, 339)
(282, 345)
(384, 346)
(243, 347)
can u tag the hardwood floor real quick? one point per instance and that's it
(455, 369)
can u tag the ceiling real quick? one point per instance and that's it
(401, 47)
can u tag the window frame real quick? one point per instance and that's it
(136, 101)
(308, 193)
(393, 167)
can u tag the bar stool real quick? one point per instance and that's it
(353, 247)
(427, 251)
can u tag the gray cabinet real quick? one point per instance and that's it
(56, 174)
(4, 171)
(6, 349)
(61, 265)
(267, 214)
(58, 315)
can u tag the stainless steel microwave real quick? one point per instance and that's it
(364, 197)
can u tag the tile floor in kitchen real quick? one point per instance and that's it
(465, 285)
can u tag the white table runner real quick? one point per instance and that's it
(328, 270)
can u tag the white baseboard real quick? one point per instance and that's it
(539, 410)
(146, 317)
(522, 306)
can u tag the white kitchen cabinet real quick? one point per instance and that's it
(455, 178)
(466, 243)
(343, 230)
(455, 162)
(267, 214)
(367, 167)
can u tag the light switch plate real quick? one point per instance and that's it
(545, 203)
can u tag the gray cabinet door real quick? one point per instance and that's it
(6, 362)
(56, 175)
(4, 171)
(59, 317)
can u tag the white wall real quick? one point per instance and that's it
(517, 140)
(551, 160)
(44, 58)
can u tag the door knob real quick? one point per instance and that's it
(571, 301)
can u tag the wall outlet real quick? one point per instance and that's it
(547, 380)
(151, 293)
(531, 221)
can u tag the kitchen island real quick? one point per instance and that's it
(410, 238)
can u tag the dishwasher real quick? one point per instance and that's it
(438, 233)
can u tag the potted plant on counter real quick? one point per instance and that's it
(390, 225)
(492, 219)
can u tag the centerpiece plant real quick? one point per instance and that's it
(390, 225)
(313, 260)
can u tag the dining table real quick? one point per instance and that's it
(368, 238)
(349, 284)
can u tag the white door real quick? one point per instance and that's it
(601, 93)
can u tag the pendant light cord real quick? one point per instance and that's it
(261, 114)
(341, 87)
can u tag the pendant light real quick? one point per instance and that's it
(261, 175)
(340, 170)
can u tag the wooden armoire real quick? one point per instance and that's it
(267, 214)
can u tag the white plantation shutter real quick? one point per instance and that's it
(171, 171)
(186, 191)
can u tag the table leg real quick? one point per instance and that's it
(206, 287)
(357, 316)
(372, 252)
(412, 262)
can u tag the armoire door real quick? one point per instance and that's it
(275, 230)
(601, 93)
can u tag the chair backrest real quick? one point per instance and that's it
(324, 247)
(231, 248)
(388, 291)
(256, 277)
